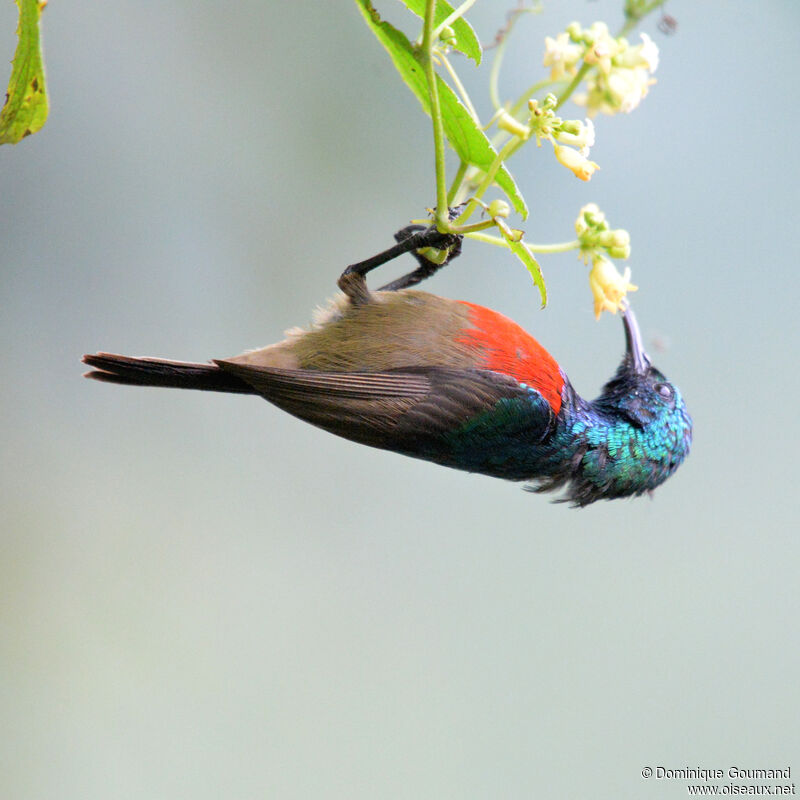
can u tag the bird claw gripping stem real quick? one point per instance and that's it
(414, 239)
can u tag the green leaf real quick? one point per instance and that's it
(25, 109)
(466, 38)
(526, 257)
(463, 133)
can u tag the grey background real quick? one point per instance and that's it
(202, 597)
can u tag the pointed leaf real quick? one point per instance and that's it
(463, 133)
(25, 109)
(466, 38)
(526, 257)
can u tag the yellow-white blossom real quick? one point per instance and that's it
(543, 122)
(608, 286)
(628, 87)
(620, 91)
(583, 137)
(621, 78)
(576, 162)
(603, 47)
(561, 55)
(590, 216)
(648, 53)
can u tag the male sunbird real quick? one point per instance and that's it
(454, 383)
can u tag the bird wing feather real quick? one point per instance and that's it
(410, 410)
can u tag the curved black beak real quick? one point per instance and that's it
(633, 342)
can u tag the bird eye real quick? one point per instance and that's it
(664, 389)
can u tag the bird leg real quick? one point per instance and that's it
(451, 245)
(410, 239)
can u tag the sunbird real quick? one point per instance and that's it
(453, 383)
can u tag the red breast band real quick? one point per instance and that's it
(507, 348)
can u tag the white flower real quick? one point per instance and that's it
(648, 52)
(580, 166)
(561, 55)
(583, 139)
(628, 87)
(603, 49)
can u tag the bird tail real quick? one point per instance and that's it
(112, 368)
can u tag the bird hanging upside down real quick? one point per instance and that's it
(453, 383)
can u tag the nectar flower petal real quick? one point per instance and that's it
(608, 286)
(648, 53)
(628, 87)
(582, 138)
(573, 160)
(561, 55)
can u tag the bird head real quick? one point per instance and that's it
(641, 403)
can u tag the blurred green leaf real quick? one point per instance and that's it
(466, 38)
(463, 133)
(26, 106)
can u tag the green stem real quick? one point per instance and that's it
(487, 238)
(477, 226)
(426, 56)
(459, 87)
(501, 136)
(494, 74)
(510, 147)
(573, 85)
(528, 93)
(632, 21)
(456, 184)
(561, 247)
(457, 14)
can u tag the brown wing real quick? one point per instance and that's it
(407, 410)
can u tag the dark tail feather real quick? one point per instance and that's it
(112, 368)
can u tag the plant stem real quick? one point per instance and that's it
(528, 93)
(487, 238)
(494, 74)
(561, 247)
(459, 87)
(573, 85)
(632, 22)
(426, 56)
(477, 226)
(456, 184)
(510, 147)
(457, 14)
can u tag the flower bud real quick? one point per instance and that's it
(620, 244)
(574, 31)
(499, 208)
(448, 36)
(590, 216)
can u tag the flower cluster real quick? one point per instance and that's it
(623, 71)
(595, 234)
(597, 241)
(543, 123)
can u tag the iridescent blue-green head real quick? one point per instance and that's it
(634, 435)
